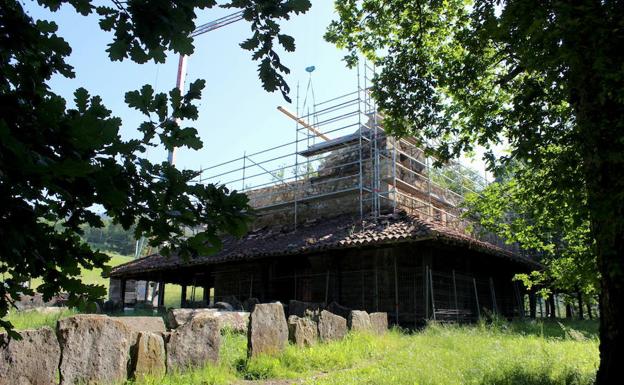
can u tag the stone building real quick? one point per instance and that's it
(364, 220)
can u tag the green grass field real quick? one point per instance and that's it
(172, 292)
(33, 319)
(95, 276)
(518, 353)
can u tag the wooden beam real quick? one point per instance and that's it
(161, 294)
(206, 296)
(122, 293)
(396, 290)
(302, 122)
(183, 296)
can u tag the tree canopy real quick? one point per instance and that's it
(522, 207)
(60, 159)
(543, 77)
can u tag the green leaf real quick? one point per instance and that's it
(141, 100)
(288, 42)
(81, 98)
(299, 6)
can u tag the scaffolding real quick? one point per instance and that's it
(341, 161)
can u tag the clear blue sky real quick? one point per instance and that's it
(236, 114)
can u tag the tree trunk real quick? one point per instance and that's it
(595, 73)
(605, 182)
(579, 296)
(589, 310)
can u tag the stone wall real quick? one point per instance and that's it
(98, 349)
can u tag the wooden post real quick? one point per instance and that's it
(455, 294)
(161, 294)
(206, 296)
(295, 295)
(363, 292)
(326, 287)
(579, 297)
(551, 300)
(519, 298)
(433, 308)
(183, 296)
(426, 280)
(493, 292)
(376, 286)
(556, 301)
(532, 304)
(396, 291)
(415, 301)
(547, 307)
(147, 287)
(122, 293)
(474, 284)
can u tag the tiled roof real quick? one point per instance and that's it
(331, 234)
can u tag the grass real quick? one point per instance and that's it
(94, 276)
(33, 319)
(530, 353)
(537, 353)
(173, 294)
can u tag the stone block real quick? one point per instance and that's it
(268, 330)
(359, 320)
(95, 349)
(143, 324)
(302, 331)
(379, 322)
(236, 321)
(148, 355)
(33, 360)
(178, 317)
(331, 326)
(194, 344)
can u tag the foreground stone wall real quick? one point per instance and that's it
(33, 360)
(98, 349)
(95, 349)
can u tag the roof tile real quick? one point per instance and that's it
(336, 233)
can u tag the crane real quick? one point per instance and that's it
(182, 64)
(183, 60)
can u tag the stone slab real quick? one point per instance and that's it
(359, 321)
(33, 360)
(148, 356)
(194, 344)
(143, 324)
(268, 329)
(331, 326)
(95, 349)
(379, 322)
(302, 331)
